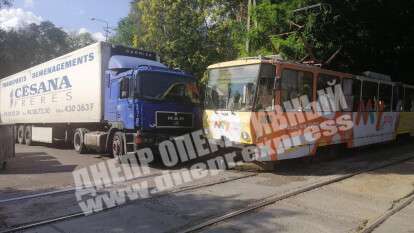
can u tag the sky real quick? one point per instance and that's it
(70, 15)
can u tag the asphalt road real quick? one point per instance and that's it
(342, 207)
(42, 168)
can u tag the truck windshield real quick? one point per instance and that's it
(167, 87)
(232, 88)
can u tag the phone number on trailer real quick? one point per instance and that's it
(78, 108)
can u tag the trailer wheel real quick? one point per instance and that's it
(118, 145)
(78, 141)
(20, 134)
(28, 135)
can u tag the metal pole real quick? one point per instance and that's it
(106, 28)
(249, 7)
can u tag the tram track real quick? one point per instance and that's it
(78, 214)
(66, 190)
(396, 207)
(272, 199)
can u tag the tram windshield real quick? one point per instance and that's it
(235, 88)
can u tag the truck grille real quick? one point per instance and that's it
(174, 120)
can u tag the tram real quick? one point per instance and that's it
(290, 110)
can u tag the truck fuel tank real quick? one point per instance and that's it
(96, 140)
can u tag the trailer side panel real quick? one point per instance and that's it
(67, 89)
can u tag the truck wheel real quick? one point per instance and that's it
(78, 141)
(118, 145)
(28, 135)
(20, 134)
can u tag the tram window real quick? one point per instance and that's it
(325, 101)
(265, 97)
(325, 81)
(347, 86)
(369, 96)
(397, 99)
(294, 85)
(409, 100)
(385, 95)
(356, 91)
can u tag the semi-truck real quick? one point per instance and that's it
(103, 97)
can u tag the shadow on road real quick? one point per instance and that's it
(36, 163)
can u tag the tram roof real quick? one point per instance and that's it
(240, 62)
(278, 59)
(274, 59)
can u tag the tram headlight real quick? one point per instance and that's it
(246, 136)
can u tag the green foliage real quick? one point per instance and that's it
(35, 44)
(77, 40)
(27, 47)
(188, 34)
(291, 48)
(374, 35)
(129, 27)
(126, 32)
(194, 34)
(271, 19)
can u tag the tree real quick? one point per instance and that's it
(188, 34)
(373, 35)
(5, 3)
(35, 44)
(128, 28)
(272, 19)
(77, 40)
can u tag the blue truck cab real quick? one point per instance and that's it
(147, 103)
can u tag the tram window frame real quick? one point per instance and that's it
(323, 82)
(300, 76)
(385, 96)
(408, 99)
(357, 94)
(348, 93)
(398, 98)
(267, 75)
(370, 95)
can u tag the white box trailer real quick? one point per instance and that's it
(47, 93)
(68, 89)
(43, 100)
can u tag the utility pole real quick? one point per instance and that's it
(250, 6)
(106, 28)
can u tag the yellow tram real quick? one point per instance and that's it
(289, 110)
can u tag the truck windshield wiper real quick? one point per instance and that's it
(146, 97)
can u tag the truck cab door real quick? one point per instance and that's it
(111, 98)
(125, 108)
